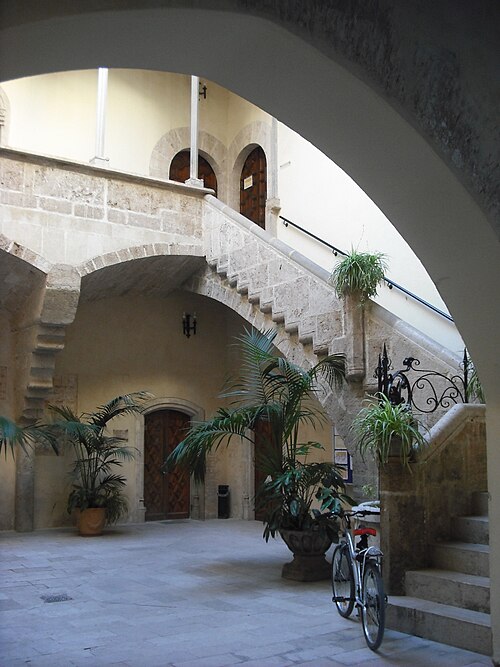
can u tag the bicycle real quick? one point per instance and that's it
(357, 576)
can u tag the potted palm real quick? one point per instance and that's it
(384, 429)
(275, 390)
(97, 489)
(359, 275)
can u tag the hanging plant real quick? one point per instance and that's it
(359, 274)
(381, 424)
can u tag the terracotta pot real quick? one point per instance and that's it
(91, 521)
(308, 548)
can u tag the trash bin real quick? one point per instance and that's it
(223, 501)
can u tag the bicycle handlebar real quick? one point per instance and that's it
(357, 511)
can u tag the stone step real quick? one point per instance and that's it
(480, 503)
(447, 587)
(462, 557)
(470, 630)
(471, 529)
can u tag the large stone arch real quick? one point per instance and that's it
(114, 258)
(25, 254)
(178, 139)
(402, 98)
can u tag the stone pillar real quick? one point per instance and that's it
(249, 490)
(25, 490)
(401, 524)
(193, 165)
(102, 94)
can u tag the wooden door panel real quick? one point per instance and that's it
(166, 496)
(177, 504)
(154, 480)
(253, 187)
(180, 170)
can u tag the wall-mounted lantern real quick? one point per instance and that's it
(188, 324)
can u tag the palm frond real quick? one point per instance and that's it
(11, 435)
(119, 405)
(205, 437)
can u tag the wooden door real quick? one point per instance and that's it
(166, 496)
(180, 168)
(253, 187)
(264, 451)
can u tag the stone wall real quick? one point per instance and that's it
(70, 213)
(419, 504)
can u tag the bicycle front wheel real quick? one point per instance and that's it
(373, 609)
(343, 581)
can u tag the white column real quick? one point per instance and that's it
(273, 206)
(273, 159)
(193, 164)
(102, 94)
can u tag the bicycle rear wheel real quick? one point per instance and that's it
(342, 581)
(373, 610)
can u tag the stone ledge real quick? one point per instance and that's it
(105, 172)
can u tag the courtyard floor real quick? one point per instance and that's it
(179, 594)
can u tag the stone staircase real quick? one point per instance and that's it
(450, 602)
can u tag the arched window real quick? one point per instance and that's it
(179, 170)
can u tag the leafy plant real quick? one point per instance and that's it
(11, 434)
(275, 390)
(359, 274)
(380, 423)
(95, 484)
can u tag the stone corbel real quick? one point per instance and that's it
(354, 322)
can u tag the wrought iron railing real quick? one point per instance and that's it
(390, 283)
(421, 389)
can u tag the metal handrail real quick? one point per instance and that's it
(390, 283)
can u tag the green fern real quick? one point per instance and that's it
(359, 273)
(379, 423)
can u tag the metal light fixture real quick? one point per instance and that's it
(188, 324)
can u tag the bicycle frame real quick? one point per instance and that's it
(371, 553)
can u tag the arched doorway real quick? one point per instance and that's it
(179, 170)
(253, 187)
(166, 495)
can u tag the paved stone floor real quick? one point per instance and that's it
(183, 594)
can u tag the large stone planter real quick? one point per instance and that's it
(308, 548)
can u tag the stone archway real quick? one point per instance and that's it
(383, 92)
(178, 139)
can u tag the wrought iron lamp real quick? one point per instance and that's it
(188, 324)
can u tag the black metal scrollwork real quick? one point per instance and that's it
(427, 392)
